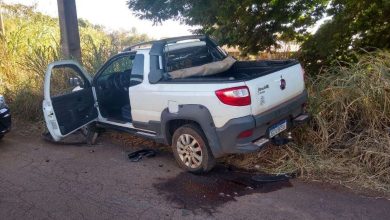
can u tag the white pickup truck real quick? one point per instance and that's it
(185, 92)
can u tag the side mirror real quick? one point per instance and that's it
(75, 81)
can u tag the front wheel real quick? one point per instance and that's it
(191, 150)
(90, 132)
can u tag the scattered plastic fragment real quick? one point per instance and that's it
(138, 155)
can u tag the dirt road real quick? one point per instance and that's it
(40, 180)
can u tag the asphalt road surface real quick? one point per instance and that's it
(41, 180)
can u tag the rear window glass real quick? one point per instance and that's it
(190, 53)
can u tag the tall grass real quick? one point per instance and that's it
(32, 41)
(348, 139)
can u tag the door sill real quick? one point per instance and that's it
(117, 121)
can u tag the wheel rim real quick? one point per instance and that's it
(189, 151)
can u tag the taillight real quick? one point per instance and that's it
(245, 134)
(236, 96)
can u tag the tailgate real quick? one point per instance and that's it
(275, 88)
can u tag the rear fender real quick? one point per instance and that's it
(199, 114)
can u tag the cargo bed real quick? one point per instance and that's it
(241, 71)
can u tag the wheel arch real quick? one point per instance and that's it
(172, 125)
(195, 114)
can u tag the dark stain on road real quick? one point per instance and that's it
(208, 192)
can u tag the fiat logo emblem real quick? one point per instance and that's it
(282, 83)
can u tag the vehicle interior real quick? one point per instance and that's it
(187, 54)
(184, 55)
(112, 84)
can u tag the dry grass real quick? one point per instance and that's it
(348, 139)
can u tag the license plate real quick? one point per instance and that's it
(278, 128)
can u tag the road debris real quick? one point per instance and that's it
(138, 155)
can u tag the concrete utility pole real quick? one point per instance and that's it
(70, 36)
(2, 31)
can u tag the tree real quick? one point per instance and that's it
(355, 26)
(253, 25)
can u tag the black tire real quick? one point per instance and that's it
(1, 137)
(187, 159)
(91, 133)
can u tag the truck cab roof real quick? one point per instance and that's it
(165, 41)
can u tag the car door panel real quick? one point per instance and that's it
(74, 109)
(67, 106)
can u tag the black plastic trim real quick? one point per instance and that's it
(154, 126)
(199, 114)
(127, 130)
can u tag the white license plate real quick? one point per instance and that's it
(278, 128)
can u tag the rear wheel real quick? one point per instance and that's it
(191, 150)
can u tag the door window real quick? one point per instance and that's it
(138, 66)
(125, 71)
(120, 65)
(66, 79)
(137, 73)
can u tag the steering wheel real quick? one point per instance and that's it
(124, 80)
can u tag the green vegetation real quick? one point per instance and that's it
(31, 42)
(251, 24)
(355, 27)
(255, 25)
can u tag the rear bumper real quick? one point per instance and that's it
(5, 121)
(291, 111)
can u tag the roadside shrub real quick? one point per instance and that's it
(26, 102)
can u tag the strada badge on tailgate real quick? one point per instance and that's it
(261, 90)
